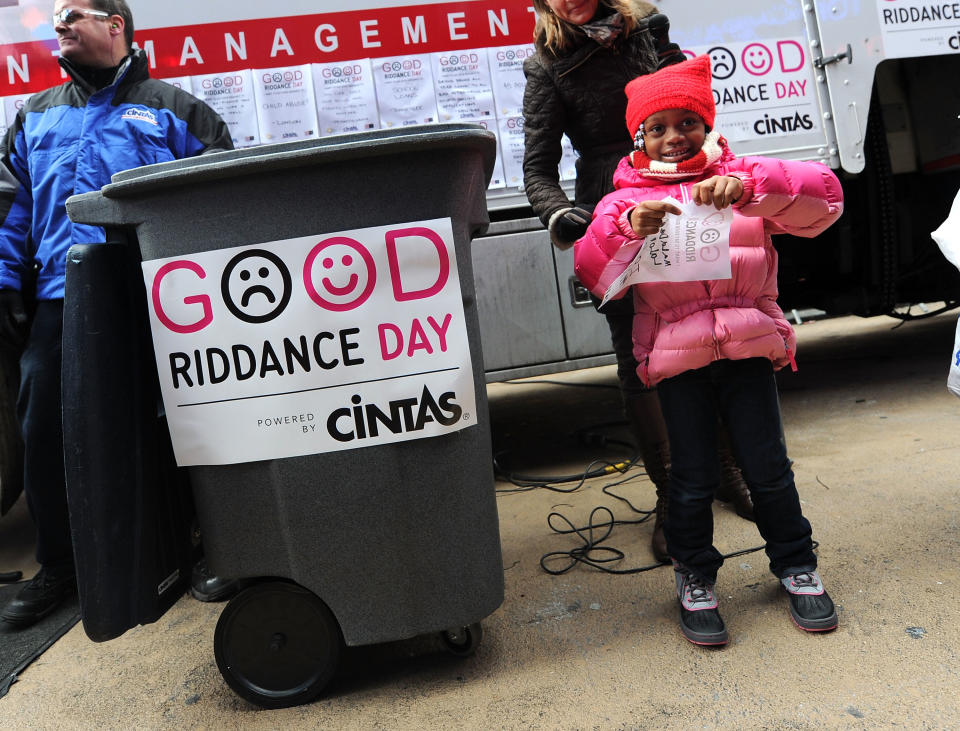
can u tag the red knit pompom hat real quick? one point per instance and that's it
(685, 85)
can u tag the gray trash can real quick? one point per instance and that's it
(357, 545)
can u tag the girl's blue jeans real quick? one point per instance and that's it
(744, 394)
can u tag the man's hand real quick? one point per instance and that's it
(13, 318)
(646, 217)
(720, 190)
(570, 225)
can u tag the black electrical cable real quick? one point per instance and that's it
(909, 316)
(587, 554)
(591, 553)
(525, 483)
(524, 382)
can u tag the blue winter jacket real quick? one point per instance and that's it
(70, 139)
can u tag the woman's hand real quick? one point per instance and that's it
(720, 190)
(646, 217)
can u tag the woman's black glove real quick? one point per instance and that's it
(13, 318)
(668, 53)
(567, 225)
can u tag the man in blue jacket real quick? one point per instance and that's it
(70, 139)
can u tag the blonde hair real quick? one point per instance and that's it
(555, 34)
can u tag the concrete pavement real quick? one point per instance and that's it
(873, 435)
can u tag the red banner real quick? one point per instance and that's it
(187, 50)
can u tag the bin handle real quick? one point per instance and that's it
(95, 209)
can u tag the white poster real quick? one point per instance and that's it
(286, 108)
(405, 92)
(462, 83)
(12, 105)
(497, 180)
(181, 82)
(510, 134)
(3, 121)
(312, 344)
(346, 100)
(917, 28)
(231, 96)
(763, 89)
(507, 79)
(690, 247)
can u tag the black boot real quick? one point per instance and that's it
(733, 489)
(42, 594)
(643, 411)
(208, 587)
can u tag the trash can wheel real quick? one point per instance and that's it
(462, 641)
(277, 644)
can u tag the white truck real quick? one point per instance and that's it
(867, 86)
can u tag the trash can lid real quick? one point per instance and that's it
(281, 155)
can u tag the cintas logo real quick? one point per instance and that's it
(140, 114)
(366, 420)
(796, 122)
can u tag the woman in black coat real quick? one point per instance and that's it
(586, 52)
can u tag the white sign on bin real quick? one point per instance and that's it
(312, 344)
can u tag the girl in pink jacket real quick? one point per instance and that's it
(711, 347)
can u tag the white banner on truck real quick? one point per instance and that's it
(346, 99)
(405, 90)
(462, 83)
(507, 79)
(763, 89)
(916, 28)
(231, 96)
(312, 344)
(285, 105)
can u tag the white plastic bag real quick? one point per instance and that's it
(948, 235)
(953, 379)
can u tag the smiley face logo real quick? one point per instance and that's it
(722, 62)
(339, 274)
(256, 286)
(714, 219)
(710, 235)
(757, 59)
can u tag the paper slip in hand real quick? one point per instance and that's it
(687, 248)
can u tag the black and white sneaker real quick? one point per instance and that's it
(700, 621)
(810, 606)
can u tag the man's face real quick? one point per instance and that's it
(90, 40)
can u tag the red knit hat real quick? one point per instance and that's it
(685, 85)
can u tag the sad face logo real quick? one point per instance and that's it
(256, 285)
(757, 59)
(339, 274)
(710, 236)
(722, 62)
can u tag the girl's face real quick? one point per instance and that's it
(673, 135)
(577, 12)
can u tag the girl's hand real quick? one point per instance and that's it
(647, 216)
(720, 190)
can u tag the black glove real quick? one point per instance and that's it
(667, 53)
(569, 226)
(13, 317)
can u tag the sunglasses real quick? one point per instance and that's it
(69, 16)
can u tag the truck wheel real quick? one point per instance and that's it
(277, 644)
(462, 641)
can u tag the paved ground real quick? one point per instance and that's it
(873, 433)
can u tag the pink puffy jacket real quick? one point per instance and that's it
(680, 326)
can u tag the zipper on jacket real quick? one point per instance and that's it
(793, 362)
(579, 63)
